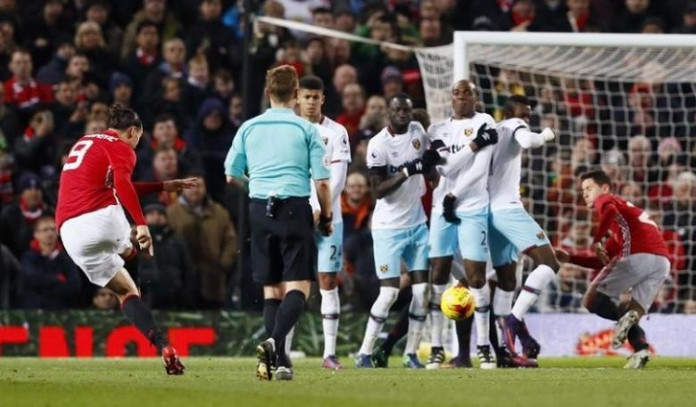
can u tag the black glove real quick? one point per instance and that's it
(324, 225)
(430, 159)
(485, 136)
(413, 167)
(448, 205)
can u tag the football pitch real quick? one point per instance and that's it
(231, 382)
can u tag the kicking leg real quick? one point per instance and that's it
(140, 316)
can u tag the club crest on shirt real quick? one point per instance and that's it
(416, 144)
(468, 132)
(384, 268)
(540, 235)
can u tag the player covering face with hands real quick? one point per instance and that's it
(95, 187)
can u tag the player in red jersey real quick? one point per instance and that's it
(629, 245)
(95, 186)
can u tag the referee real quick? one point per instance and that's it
(279, 152)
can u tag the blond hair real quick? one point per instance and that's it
(85, 27)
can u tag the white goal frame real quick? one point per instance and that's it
(464, 38)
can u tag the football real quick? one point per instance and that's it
(457, 303)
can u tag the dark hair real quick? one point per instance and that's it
(321, 10)
(400, 95)
(422, 117)
(144, 24)
(513, 100)
(311, 82)
(282, 82)
(44, 217)
(121, 118)
(598, 176)
(164, 117)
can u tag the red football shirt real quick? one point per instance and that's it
(96, 174)
(632, 228)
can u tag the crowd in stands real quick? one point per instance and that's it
(179, 64)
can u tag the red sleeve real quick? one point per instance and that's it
(589, 261)
(122, 159)
(607, 211)
(144, 188)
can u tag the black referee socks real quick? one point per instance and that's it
(270, 308)
(288, 314)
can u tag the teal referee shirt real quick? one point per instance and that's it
(277, 150)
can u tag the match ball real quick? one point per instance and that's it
(457, 303)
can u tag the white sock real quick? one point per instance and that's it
(330, 308)
(378, 314)
(437, 318)
(288, 341)
(417, 313)
(502, 302)
(537, 280)
(482, 298)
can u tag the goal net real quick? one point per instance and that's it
(628, 107)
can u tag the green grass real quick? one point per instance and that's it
(129, 382)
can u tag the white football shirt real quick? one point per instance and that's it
(337, 150)
(471, 180)
(402, 208)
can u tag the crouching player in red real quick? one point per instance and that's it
(634, 257)
(95, 186)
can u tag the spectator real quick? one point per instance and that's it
(50, 280)
(173, 66)
(678, 216)
(356, 204)
(169, 101)
(9, 121)
(169, 277)
(165, 167)
(78, 70)
(210, 235)
(392, 81)
(22, 91)
(89, 41)
(322, 17)
(223, 85)
(9, 278)
(121, 89)
(631, 192)
(6, 171)
(211, 137)
(156, 11)
(46, 31)
(99, 11)
(165, 134)
(432, 33)
(315, 54)
(69, 116)
(345, 21)
(353, 101)
(614, 164)
(631, 18)
(105, 300)
(688, 22)
(375, 117)
(17, 219)
(652, 25)
(36, 149)
(145, 59)
(54, 71)
(520, 17)
(198, 87)
(211, 37)
(578, 18)
(235, 110)
(640, 161)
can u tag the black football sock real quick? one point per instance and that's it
(636, 337)
(270, 309)
(140, 316)
(399, 330)
(493, 334)
(288, 314)
(604, 307)
(464, 336)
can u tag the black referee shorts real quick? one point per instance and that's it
(283, 247)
